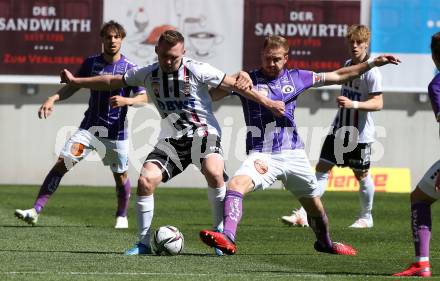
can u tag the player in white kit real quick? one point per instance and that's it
(189, 131)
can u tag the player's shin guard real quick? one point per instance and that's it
(144, 212)
(421, 227)
(49, 186)
(321, 229)
(216, 197)
(123, 194)
(233, 212)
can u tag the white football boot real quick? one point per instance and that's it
(297, 218)
(121, 223)
(29, 216)
(363, 222)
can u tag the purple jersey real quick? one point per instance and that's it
(100, 114)
(434, 94)
(267, 133)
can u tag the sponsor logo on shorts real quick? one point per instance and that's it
(77, 149)
(261, 166)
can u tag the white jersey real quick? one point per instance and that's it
(358, 90)
(182, 97)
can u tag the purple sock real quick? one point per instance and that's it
(232, 213)
(123, 194)
(48, 187)
(421, 227)
(319, 225)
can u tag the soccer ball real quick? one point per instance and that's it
(167, 240)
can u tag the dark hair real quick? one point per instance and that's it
(275, 42)
(113, 26)
(171, 37)
(435, 46)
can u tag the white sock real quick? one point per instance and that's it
(216, 197)
(322, 179)
(419, 259)
(366, 195)
(144, 212)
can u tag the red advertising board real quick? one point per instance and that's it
(315, 30)
(40, 37)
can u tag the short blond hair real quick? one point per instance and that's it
(275, 42)
(358, 32)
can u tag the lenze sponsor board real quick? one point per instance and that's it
(385, 180)
(315, 30)
(42, 37)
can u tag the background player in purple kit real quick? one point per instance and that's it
(102, 129)
(349, 141)
(427, 190)
(275, 149)
(190, 134)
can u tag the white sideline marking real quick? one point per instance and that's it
(309, 275)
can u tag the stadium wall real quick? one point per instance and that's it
(407, 135)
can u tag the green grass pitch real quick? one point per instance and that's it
(75, 239)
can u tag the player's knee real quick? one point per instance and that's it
(214, 177)
(361, 174)
(238, 184)
(60, 166)
(147, 185)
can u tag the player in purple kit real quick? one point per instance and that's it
(275, 150)
(427, 190)
(189, 132)
(348, 144)
(102, 129)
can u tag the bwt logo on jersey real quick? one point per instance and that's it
(287, 89)
(351, 94)
(173, 105)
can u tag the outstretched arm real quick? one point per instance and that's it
(119, 101)
(242, 84)
(373, 103)
(47, 107)
(348, 73)
(100, 82)
(218, 94)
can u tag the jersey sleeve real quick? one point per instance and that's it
(85, 68)
(374, 81)
(434, 95)
(137, 76)
(209, 74)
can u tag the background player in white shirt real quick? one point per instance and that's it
(349, 141)
(189, 132)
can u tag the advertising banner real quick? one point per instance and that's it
(385, 180)
(404, 28)
(43, 37)
(315, 30)
(213, 29)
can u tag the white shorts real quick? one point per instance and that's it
(114, 153)
(292, 167)
(427, 183)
